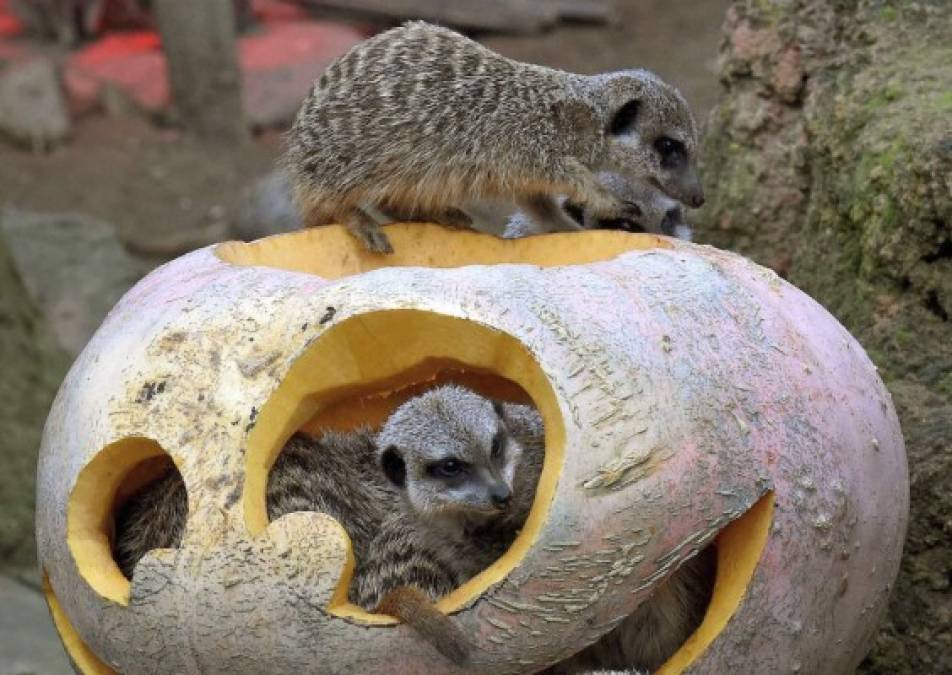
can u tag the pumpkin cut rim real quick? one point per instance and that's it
(331, 252)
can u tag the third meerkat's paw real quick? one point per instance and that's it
(627, 218)
(619, 210)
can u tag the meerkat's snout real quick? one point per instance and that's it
(500, 494)
(693, 190)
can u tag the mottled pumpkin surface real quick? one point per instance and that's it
(689, 396)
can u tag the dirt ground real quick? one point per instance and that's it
(167, 195)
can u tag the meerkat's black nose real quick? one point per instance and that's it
(501, 495)
(697, 200)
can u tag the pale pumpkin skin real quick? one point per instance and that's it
(679, 384)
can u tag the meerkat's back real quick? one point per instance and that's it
(420, 120)
(421, 108)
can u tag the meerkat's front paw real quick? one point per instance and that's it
(376, 242)
(365, 228)
(371, 237)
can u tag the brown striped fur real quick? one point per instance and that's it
(336, 473)
(421, 120)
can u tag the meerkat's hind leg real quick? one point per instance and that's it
(449, 217)
(452, 217)
(547, 215)
(366, 229)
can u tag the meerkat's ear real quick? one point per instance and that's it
(394, 468)
(498, 408)
(624, 119)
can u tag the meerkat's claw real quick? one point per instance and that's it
(620, 210)
(367, 231)
(377, 242)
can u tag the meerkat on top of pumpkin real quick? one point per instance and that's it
(420, 120)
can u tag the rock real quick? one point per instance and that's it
(829, 159)
(32, 106)
(32, 367)
(129, 62)
(73, 267)
(28, 642)
(267, 209)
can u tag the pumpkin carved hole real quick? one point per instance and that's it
(359, 417)
(84, 659)
(738, 548)
(349, 377)
(135, 509)
(103, 500)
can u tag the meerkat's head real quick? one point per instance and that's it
(651, 134)
(451, 454)
(649, 209)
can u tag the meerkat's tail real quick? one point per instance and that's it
(413, 607)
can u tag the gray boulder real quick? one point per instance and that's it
(73, 267)
(28, 642)
(33, 110)
(32, 367)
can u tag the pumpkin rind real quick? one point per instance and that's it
(680, 385)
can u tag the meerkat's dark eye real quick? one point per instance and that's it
(623, 121)
(499, 444)
(446, 468)
(672, 152)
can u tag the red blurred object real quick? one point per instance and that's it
(117, 46)
(123, 15)
(272, 11)
(10, 25)
(131, 62)
(278, 62)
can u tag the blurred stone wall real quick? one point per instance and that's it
(829, 158)
(31, 367)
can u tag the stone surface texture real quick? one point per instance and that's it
(33, 110)
(74, 267)
(32, 368)
(28, 643)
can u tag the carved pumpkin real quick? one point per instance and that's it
(689, 396)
